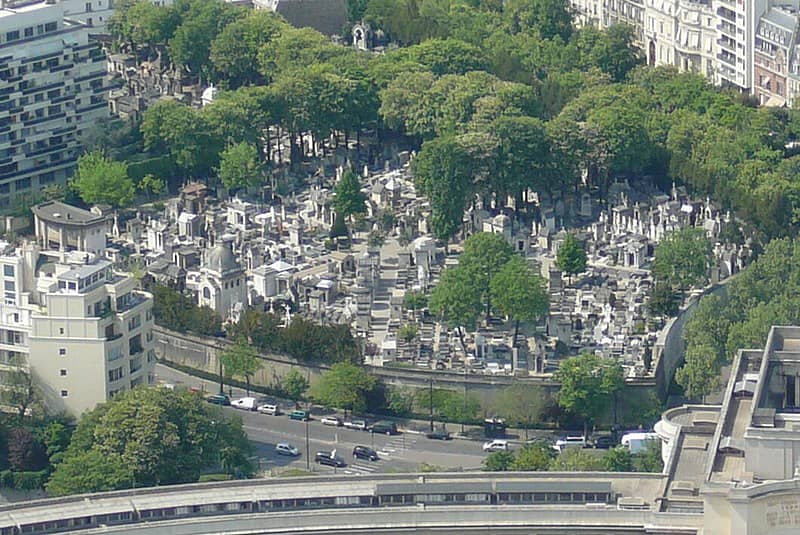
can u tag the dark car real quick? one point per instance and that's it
(363, 452)
(440, 434)
(603, 442)
(384, 427)
(328, 458)
(219, 399)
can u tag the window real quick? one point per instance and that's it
(115, 375)
(62, 351)
(8, 270)
(64, 393)
(12, 36)
(63, 373)
(24, 183)
(29, 32)
(88, 7)
(50, 27)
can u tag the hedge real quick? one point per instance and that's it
(23, 480)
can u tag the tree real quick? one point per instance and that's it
(151, 185)
(456, 300)
(407, 333)
(414, 301)
(348, 199)
(162, 436)
(344, 386)
(443, 174)
(90, 471)
(589, 383)
(618, 459)
(519, 293)
(20, 392)
(550, 18)
(699, 375)
(294, 385)
(571, 256)
(25, 452)
(400, 401)
(682, 258)
(521, 405)
(101, 180)
(535, 457)
(485, 253)
(460, 407)
(239, 166)
(241, 360)
(664, 300)
(650, 459)
(498, 461)
(577, 460)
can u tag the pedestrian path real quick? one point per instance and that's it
(360, 468)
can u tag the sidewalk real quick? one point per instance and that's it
(166, 375)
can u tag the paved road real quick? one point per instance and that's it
(399, 453)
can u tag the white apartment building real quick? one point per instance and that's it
(51, 92)
(93, 13)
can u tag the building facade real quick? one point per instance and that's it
(51, 92)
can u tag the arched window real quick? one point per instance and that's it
(206, 293)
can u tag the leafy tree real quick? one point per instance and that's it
(446, 56)
(519, 293)
(162, 437)
(294, 385)
(682, 258)
(699, 375)
(408, 333)
(485, 254)
(400, 401)
(535, 457)
(664, 300)
(498, 461)
(345, 386)
(90, 471)
(649, 460)
(460, 407)
(20, 392)
(151, 185)
(100, 180)
(521, 405)
(577, 460)
(443, 174)
(589, 383)
(55, 437)
(239, 166)
(175, 311)
(571, 256)
(240, 359)
(618, 459)
(25, 452)
(414, 301)
(456, 299)
(234, 51)
(349, 200)
(550, 18)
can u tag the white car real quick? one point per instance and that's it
(273, 410)
(248, 404)
(331, 420)
(284, 448)
(496, 445)
(361, 425)
(568, 442)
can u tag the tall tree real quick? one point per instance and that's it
(294, 385)
(239, 166)
(101, 180)
(571, 256)
(589, 384)
(533, 457)
(345, 386)
(498, 461)
(699, 374)
(90, 471)
(485, 254)
(457, 300)
(521, 405)
(241, 360)
(519, 293)
(349, 200)
(234, 51)
(618, 459)
(683, 258)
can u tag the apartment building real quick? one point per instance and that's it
(51, 92)
(92, 13)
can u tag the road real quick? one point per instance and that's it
(399, 453)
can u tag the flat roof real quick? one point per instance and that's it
(63, 213)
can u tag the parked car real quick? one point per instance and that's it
(603, 442)
(384, 427)
(496, 445)
(219, 399)
(331, 420)
(299, 415)
(363, 452)
(247, 404)
(329, 458)
(270, 409)
(439, 434)
(284, 448)
(361, 425)
(577, 441)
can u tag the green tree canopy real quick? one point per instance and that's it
(577, 460)
(235, 50)
(618, 459)
(588, 384)
(485, 254)
(533, 457)
(498, 461)
(521, 405)
(241, 360)
(345, 386)
(239, 166)
(349, 200)
(683, 258)
(699, 375)
(456, 299)
(101, 180)
(519, 293)
(294, 384)
(90, 471)
(571, 256)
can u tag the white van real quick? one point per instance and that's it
(563, 443)
(247, 404)
(637, 442)
(272, 410)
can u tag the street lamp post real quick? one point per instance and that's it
(308, 443)
(430, 396)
